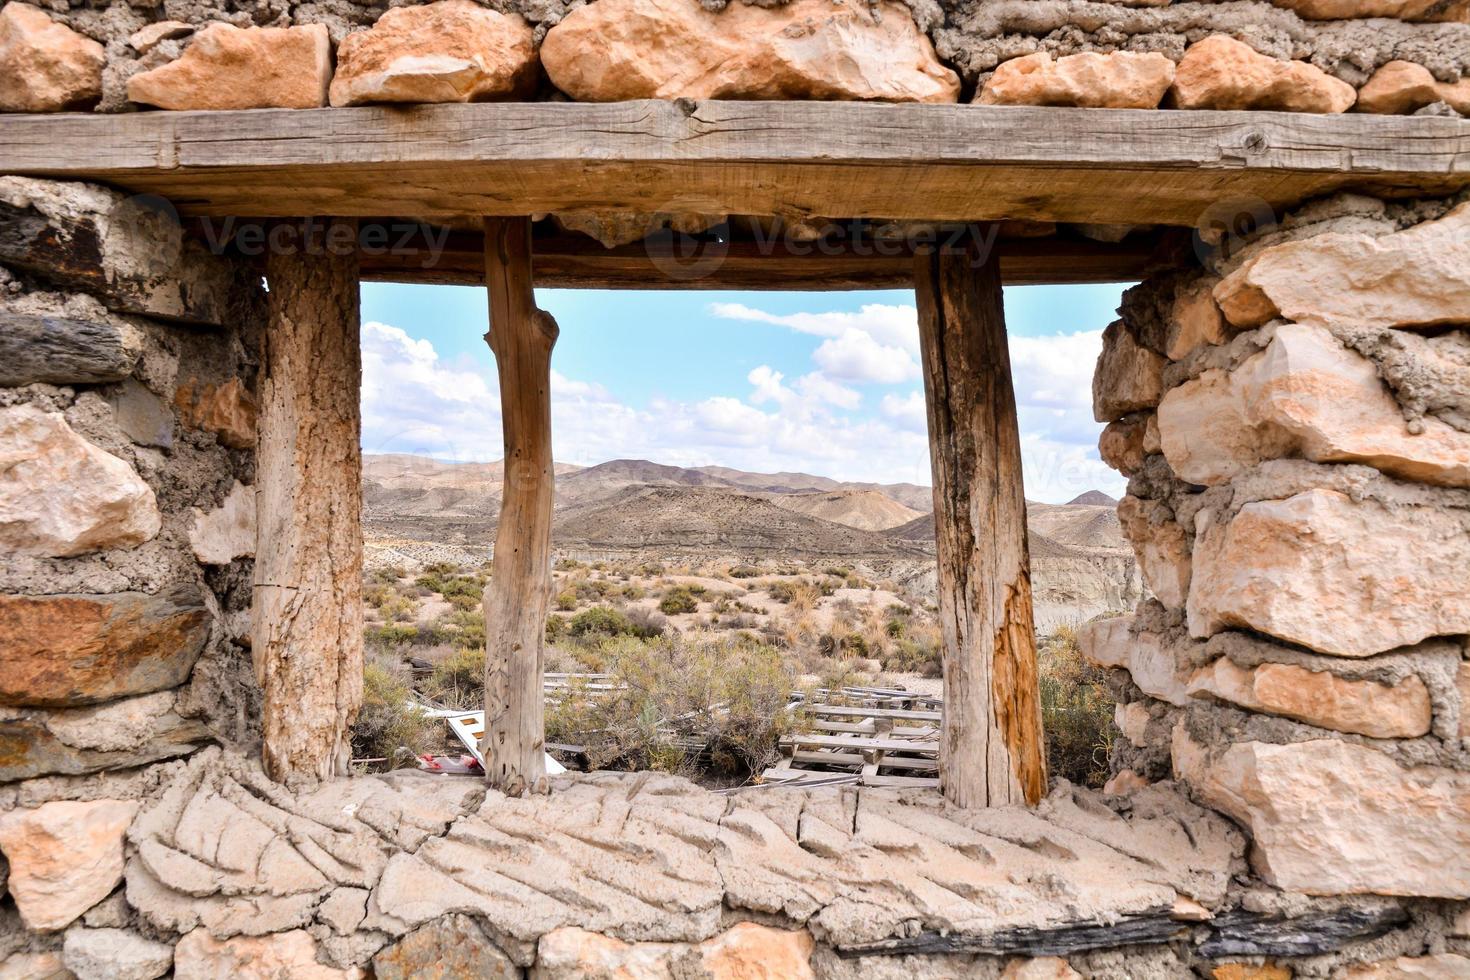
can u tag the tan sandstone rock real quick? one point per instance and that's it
(228, 410)
(746, 951)
(1128, 378)
(227, 532)
(1392, 830)
(227, 67)
(1120, 80)
(1339, 576)
(1161, 545)
(1195, 319)
(1401, 87)
(1124, 783)
(115, 954)
(1132, 720)
(450, 51)
(150, 36)
(808, 49)
(34, 966)
(64, 857)
(65, 650)
(1220, 72)
(45, 66)
(1319, 698)
(1251, 971)
(1412, 278)
(1429, 10)
(1112, 642)
(1121, 444)
(454, 946)
(1442, 966)
(1304, 395)
(60, 495)
(199, 956)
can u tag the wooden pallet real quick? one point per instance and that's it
(871, 736)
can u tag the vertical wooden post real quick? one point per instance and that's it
(991, 751)
(519, 592)
(306, 638)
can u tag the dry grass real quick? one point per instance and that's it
(1076, 711)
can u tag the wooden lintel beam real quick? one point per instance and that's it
(571, 261)
(799, 159)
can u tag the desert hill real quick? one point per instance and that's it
(868, 510)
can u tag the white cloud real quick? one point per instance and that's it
(418, 402)
(889, 325)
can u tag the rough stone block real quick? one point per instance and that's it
(1339, 576)
(114, 954)
(199, 956)
(449, 51)
(1118, 80)
(61, 350)
(1113, 642)
(453, 946)
(227, 67)
(746, 950)
(141, 415)
(1220, 72)
(808, 49)
(1402, 87)
(63, 650)
(1417, 277)
(1304, 395)
(1412, 10)
(46, 66)
(64, 857)
(227, 532)
(1320, 698)
(1195, 319)
(1121, 444)
(1392, 830)
(1161, 546)
(118, 735)
(1441, 966)
(1128, 377)
(60, 495)
(228, 410)
(129, 252)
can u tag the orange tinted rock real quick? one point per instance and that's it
(808, 49)
(1403, 87)
(450, 51)
(1121, 444)
(1195, 319)
(227, 67)
(749, 951)
(1251, 971)
(199, 956)
(1120, 80)
(1039, 968)
(1220, 72)
(46, 66)
(1442, 966)
(63, 650)
(1462, 685)
(1129, 377)
(1319, 698)
(1161, 546)
(228, 410)
(1416, 277)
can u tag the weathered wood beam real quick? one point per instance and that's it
(569, 261)
(990, 751)
(306, 638)
(516, 600)
(958, 162)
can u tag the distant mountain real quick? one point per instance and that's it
(714, 519)
(1093, 498)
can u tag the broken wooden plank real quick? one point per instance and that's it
(961, 162)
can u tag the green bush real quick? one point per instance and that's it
(601, 621)
(388, 720)
(1076, 711)
(676, 601)
(458, 681)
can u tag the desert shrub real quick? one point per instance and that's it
(394, 635)
(601, 621)
(556, 627)
(745, 571)
(388, 720)
(567, 564)
(634, 592)
(566, 600)
(725, 696)
(458, 681)
(647, 623)
(678, 600)
(1076, 711)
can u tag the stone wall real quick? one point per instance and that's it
(1382, 56)
(127, 435)
(1293, 420)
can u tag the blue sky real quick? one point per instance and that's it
(825, 383)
